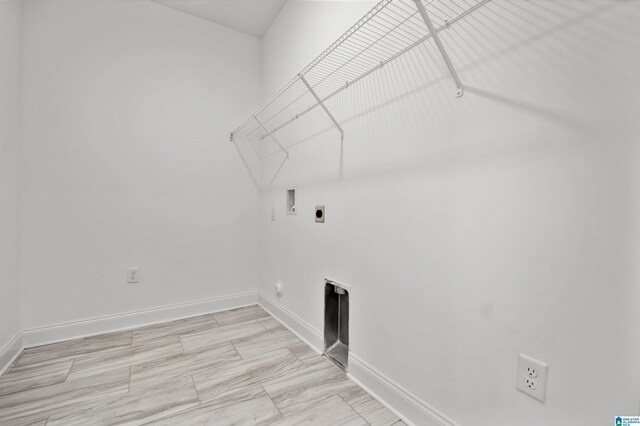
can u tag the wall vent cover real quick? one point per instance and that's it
(336, 323)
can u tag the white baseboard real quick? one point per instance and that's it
(412, 410)
(297, 325)
(399, 400)
(10, 352)
(407, 406)
(90, 327)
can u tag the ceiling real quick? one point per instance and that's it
(252, 17)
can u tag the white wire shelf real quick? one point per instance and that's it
(390, 29)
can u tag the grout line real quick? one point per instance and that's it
(300, 359)
(272, 401)
(69, 372)
(296, 356)
(285, 373)
(303, 364)
(180, 411)
(15, 361)
(354, 410)
(213, 316)
(196, 389)
(268, 349)
(129, 384)
(369, 395)
(236, 349)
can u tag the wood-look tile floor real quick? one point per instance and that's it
(238, 367)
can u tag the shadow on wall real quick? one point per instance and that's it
(506, 220)
(523, 65)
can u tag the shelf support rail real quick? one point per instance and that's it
(321, 103)
(286, 153)
(443, 52)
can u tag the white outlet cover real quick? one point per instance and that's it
(133, 275)
(532, 377)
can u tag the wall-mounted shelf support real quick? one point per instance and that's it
(244, 161)
(385, 33)
(443, 52)
(324, 107)
(286, 153)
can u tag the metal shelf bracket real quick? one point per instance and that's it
(273, 138)
(315, 95)
(443, 52)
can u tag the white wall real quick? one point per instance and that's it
(470, 229)
(10, 36)
(126, 159)
(473, 229)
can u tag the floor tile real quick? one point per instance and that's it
(172, 330)
(47, 400)
(71, 349)
(220, 335)
(265, 341)
(94, 364)
(307, 386)
(270, 322)
(369, 409)
(211, 382)
(197, 320)
(332, 411)
(236, 316)
(303, 351)
(32, 376)
(152, 373)
(134, 408)
(246, 406)
(238, 367)
(36, 419)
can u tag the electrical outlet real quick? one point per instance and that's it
(133, 275)
(532, 377)
(319, 214)
(530, 383)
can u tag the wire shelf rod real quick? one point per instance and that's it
(272, 137)
(354, 57)
(324, 107)
(387, 31)
(373, 12)
(443, 51)
(382, 63)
